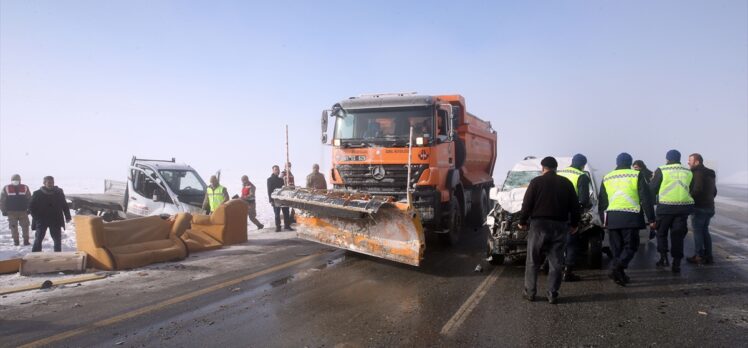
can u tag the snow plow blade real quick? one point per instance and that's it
(371, 225)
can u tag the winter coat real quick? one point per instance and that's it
(49, 207)
(703, 187)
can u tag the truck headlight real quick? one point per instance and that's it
(336, 142)
(419, 141)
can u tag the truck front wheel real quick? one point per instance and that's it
(453, 224)
(479, 209)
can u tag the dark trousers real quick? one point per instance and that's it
(546, 239)
(702, 240)
(624, 243)
(677, 225)
(286, 216)
(573, 245)
(41, 231)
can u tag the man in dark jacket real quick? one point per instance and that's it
(640, 166)
(671, 184)
(49, 210)
(624, 198)
(552, 208)
(276, 182)
(703, 190)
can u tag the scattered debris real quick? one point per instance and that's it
(235, 289)
(478, 268)
(46, 284)
(702, 312)
(77, 305)
(119, 343)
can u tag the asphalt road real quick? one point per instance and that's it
(300, 294)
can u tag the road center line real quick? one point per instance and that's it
(157, 306)
(463, 313)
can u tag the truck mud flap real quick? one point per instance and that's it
(374, 226)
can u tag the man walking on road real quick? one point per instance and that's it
(316, 180)
(703, 190)
(581, 181)
(14, 203)
(671, 183)
(215, 195)
(248, 195)
(275, 182)
(50, 210)
(624, 196)
(552, 208)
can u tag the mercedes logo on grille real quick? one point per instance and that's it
(378, 172)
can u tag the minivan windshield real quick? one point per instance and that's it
(518, 179)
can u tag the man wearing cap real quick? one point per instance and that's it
(552, 208)
(14, 203)
(624, 197)
(581, 181)
(671, 184)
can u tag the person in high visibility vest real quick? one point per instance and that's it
(671, 183)
(581, 181)
(624, 198)
(215, 195)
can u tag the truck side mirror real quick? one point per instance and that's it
(324, 127)
(450, 120)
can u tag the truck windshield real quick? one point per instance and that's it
(186, 184)
(517, 179)
(384, 125)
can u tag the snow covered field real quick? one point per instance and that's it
(9, 251)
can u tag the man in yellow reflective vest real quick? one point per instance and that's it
(215, 195)
(581, 181)
(671, 183)
(624, 199)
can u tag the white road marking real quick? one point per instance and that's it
(463, 313)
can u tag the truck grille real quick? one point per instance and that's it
(389, 180)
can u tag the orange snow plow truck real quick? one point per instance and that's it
(403, 165)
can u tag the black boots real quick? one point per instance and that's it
(663, 261)
(618, 276)
(569, 276)
(676, 265)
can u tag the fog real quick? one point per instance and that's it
(84, 86)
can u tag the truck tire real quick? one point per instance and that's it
(479, 209)
(453, 224)
(595, 250)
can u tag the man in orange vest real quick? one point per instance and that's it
(14, 203)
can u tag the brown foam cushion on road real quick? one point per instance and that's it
(199, 241)
(227, 225)
(131, 243)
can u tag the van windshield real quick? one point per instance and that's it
(186, 184)
(384, 125)
(518, 179)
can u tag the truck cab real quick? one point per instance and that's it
(156, 187)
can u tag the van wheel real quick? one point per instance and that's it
(595, 250)
(454, 224)
(494, 259)
(479, 210)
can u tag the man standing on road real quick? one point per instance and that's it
(14, 203)
(671, 183)
(50, 210)
(316, 180)
(552, 208)
(248, 195)
(641, 167)
(215, 195)
(703, 191)
(581, 181)
(275, 182)
(624, 196)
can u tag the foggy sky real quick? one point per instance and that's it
(86, 85)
